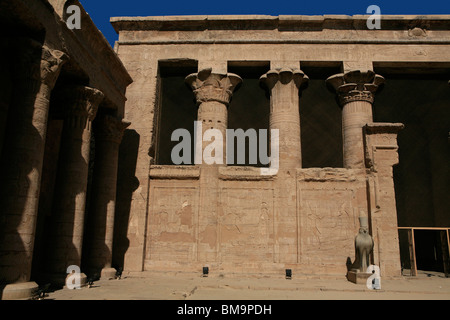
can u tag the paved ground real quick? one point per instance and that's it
(185, 286)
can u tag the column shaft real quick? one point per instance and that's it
(214, 115)
(355, 91)
(70, 193)
(284, 85)
(35, 72)
(100, 227)
(355, 115)
(213, 93)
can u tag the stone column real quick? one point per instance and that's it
(100, 228)
(35, 69)
(80, 106)
(213, 93)
(5, 87)
(355, 91)
(284, 85)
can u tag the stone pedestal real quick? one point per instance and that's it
(355, 91)
(358, 277)
(35, 71)
(80, 107)
(100, 228)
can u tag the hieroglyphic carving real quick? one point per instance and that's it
(327, 222)
(328, 174)
(173, 224)
(246, 225)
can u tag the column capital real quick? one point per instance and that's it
(79, 101)
(355, 86)
(37, 61)
(208, 86)
(284, 76)
(110, 128)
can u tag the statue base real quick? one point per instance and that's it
(358, 277)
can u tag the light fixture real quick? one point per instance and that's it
(205, 271)
(288, 274)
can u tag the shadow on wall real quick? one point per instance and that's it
(127, 183)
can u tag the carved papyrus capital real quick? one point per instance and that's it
(79, 103)
(51, 63)
(37, 62)
(110, 128)
(208, 86)
(355, 86)
(285, 76)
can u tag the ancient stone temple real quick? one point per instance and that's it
(363, 120)
(341, 124)
(62, 105)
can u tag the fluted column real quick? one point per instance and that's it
(80, 106)
(284, 85)
(213, 93)
(35, 69)
(355, 91)
(100, 228)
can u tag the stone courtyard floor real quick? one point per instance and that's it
(188, 286)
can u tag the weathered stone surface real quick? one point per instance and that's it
(35, 72)
(312, 212)
(146, 215)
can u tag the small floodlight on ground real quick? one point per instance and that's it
(288, 274)
(205, 271)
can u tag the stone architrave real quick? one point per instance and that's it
(108, 133)
(355, 92)
(284, 85)
(34, 71)
(80, 105)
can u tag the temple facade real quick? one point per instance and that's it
(355, 122)
(363, 122)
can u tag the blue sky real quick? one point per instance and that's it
(101, 10)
